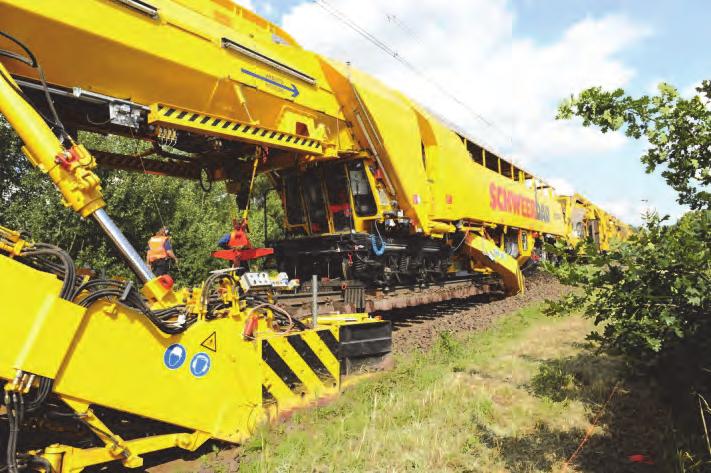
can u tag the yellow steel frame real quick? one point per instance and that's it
(486, 253)
(201, 123)
(112, 356)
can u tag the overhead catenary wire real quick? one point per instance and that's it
(382, 45)
(394, 19)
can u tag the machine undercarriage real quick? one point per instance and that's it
(378, 262)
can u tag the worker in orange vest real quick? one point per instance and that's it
(160, 252)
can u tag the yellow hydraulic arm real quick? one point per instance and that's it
(70, 168)
(105, 353)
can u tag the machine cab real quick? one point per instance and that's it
(331, 198)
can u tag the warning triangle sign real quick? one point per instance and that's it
(210, 342)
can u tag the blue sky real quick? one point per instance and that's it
(673, 52)
(515, 59)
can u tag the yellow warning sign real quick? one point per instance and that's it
(210, 342)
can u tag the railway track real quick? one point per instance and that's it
(349, 297)
(419, 314)
(418, 328)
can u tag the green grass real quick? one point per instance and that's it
(516, 397)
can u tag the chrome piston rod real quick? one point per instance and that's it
(129, 253)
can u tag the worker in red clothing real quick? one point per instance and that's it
(237, 239)
(160, 252)
(340, 208)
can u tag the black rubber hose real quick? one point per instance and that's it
(39, 462)
(136, 302)
(31, 60)
(11, 454)
(67, 262)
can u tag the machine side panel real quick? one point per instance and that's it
(120, 360)
(463, 189)
(37, 326)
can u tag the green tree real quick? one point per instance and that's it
(652, 293)
(651, 296)
(12, 166)
(678, 131)
(140, 204)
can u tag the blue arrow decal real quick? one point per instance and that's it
(294, 91)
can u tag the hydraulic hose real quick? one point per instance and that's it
(379, 250)
(127, 295)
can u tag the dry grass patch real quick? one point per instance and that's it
(511, 398)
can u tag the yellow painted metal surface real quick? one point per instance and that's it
(230, 63)
(487, 253)
(209, 379)
(124, 345)
(238, 68)
(462, 189)
(434, 176)
(585, 220)
(79, 186)
(37, 326)
(215, 69)
(67, 459)
(396, 136)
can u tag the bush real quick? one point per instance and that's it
(650, 293)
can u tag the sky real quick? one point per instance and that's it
(499, 68)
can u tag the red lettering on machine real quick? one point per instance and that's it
(505, 200)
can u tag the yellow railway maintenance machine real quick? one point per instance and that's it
(585, 220)
(214, 80)
(221, 94)
(100, 370)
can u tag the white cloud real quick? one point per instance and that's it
(468, 47)
(629, 211)
(266, 8)
(690, 90)
(248, 4)
(561, 185)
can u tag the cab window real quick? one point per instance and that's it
(339, 202)
(360, 188)
(315, 204)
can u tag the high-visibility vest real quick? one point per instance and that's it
(156, 248)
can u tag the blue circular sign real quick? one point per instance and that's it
(200, 364)
(175, 356)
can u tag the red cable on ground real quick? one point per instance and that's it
(590, 429)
